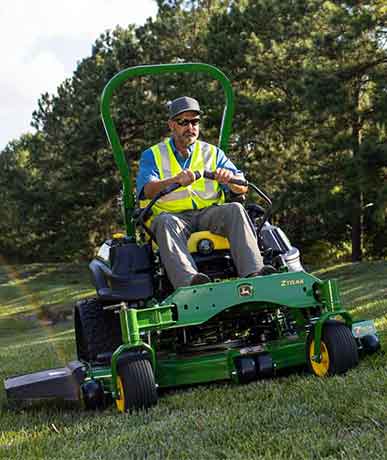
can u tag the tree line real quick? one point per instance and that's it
(309, 78)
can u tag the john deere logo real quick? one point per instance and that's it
(245, 290)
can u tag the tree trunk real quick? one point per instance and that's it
(357, 195)
(357, 229)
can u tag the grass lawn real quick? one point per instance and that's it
(291, 417)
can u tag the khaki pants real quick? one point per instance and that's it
(172, 232)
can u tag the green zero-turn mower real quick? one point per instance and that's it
(139, 335)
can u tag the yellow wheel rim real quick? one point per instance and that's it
(120, 402)
(321, 368)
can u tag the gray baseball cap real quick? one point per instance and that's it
(183, 104)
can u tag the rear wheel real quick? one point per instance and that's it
(339, 351)
(97, 331)
(136, 385)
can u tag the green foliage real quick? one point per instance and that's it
(311, 105)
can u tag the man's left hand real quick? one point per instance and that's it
(223, 176)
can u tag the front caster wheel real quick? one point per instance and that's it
(338, 350)
(136, 385)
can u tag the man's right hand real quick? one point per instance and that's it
(185, 177)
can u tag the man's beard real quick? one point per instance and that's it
(189, 138)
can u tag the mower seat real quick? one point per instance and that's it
(215, 242)
(211, 254)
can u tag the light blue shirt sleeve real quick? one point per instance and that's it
(147, 171)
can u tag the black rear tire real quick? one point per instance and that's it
(338, 347)
(97, 331)
(136, 384)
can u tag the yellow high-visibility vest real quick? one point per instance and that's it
(201, 193)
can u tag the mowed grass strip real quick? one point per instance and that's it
(296, 416)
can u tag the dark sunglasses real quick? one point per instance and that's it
(186, 122)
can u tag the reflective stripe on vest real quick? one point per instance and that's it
(203, 192)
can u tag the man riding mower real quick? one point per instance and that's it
(198, 204)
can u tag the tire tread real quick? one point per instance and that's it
(97, 331)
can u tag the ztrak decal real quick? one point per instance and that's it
(287, 283)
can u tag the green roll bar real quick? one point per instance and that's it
(139, 71)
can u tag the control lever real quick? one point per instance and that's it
(245, 183)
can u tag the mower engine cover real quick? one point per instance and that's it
(274, 244)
